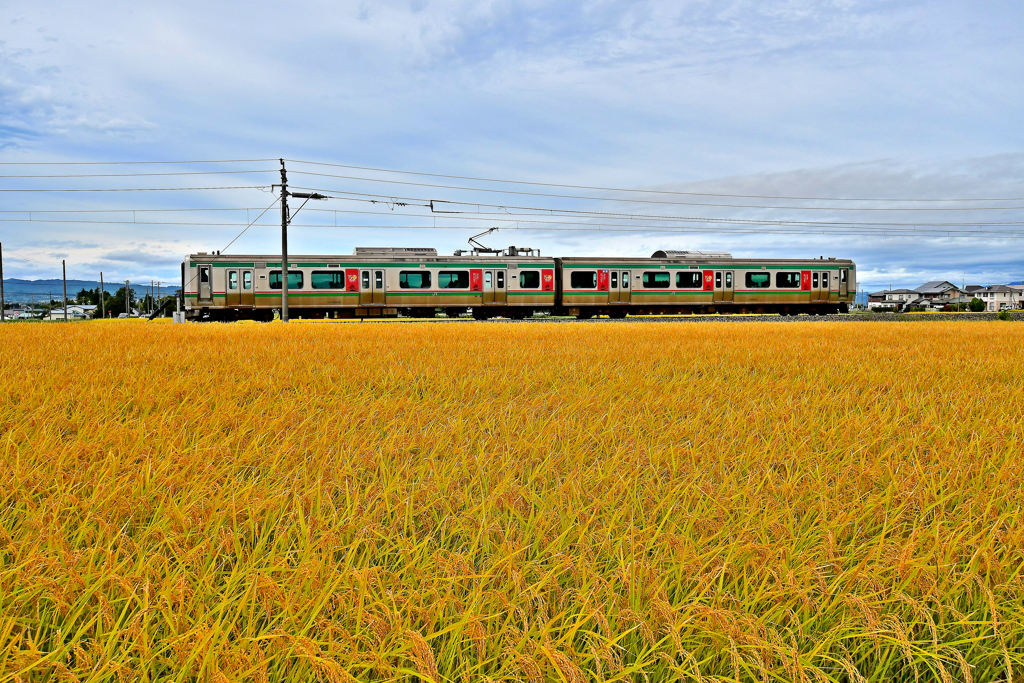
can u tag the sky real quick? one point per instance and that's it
(832, 101)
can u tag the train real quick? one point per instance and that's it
(381, 282)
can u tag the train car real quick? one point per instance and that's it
(703, 282)
(372, 282)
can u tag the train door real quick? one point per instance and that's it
(233, 288)
(365, 288)
(488, 287)
(613, 287)
(625, 291)
(379, 293)
(826, 285)
(247, 295)
(719, 294)
(500, 293)
(205, 276)
(728, 287)
(844, 282)
(819, 286)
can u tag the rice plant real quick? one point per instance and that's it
(492, 502)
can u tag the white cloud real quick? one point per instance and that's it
(705, 95)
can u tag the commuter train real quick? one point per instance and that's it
(510, 283)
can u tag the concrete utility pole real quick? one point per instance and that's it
(285, 219)
(64, 272)
(103, 294)
(284, 243)
(127, 299)
(3, 301)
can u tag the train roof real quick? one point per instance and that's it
(323, 260)
(643, 261)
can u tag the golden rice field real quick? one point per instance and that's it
(496, 502)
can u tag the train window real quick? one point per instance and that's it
(814, 280)
(625, 279)
(824, 281)
(842, 275)
(718, 280)
(615, 279)
(453, 279)
(232, 279)
(529, 279)
(414, 279)
(247, 279)
(689, 279)
(295, 280)
(378, 279)
(728, 280)
(326, 279)
(364, 280)
(787, 280)
(204, 275)
(657, 280)
(585, 279)
(500, 279)
(763, 280)
(487, 279)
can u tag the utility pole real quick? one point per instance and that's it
(103, 294)
(285, 219)
(64, 272)
(127, 299)
(284, 243)
(3, 301)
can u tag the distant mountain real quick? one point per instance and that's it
(41, 290)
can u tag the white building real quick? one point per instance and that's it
(75, 312)
(998, 297)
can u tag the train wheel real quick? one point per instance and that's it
(617, 314)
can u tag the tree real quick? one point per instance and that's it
(115, 304)
(977, 305)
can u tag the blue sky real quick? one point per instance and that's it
(810, 99)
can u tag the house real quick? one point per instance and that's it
(938, 289)
(998, 297)
(891, 298)
(75, 312)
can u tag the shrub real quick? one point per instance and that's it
(1004, 315)
(977, 305)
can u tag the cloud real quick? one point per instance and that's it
(796, 97)
(142, 258)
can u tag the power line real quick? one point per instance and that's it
(660, 201)
(250, 225)
(139, 189)
(516, 218)
(130, 163)
(504, 211)
(244, 208)
(136, 175)
(484, 216)
(722, 225)
(668, 192)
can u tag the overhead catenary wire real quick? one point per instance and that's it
(483, 216)
(648, 191)
(504, 211)
(661, 201)
(723, 226)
